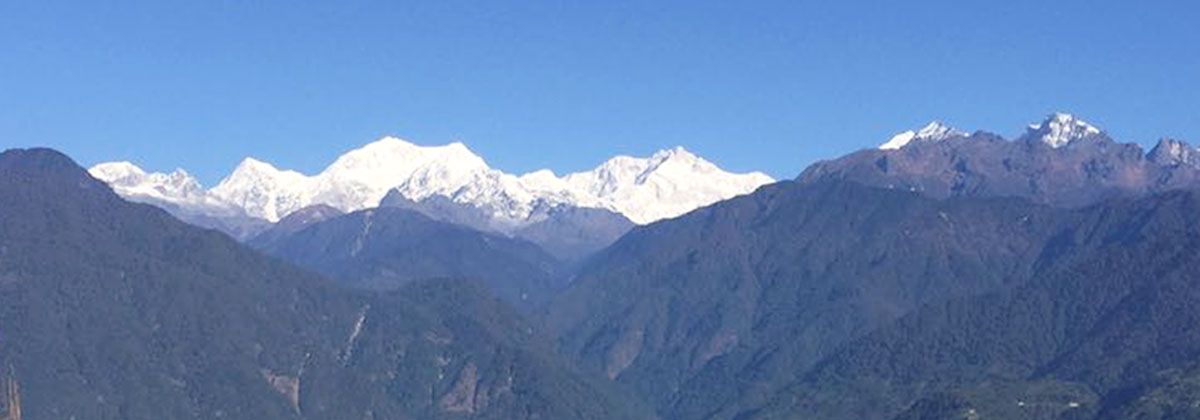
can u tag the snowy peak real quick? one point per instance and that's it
(361, 177)
(125, 176)
(899, 140)
(627, 170)
(1057, 130)
(390, 157)
(937, 131)
(255, 172)
(680, 160)
(667, 184)
(934, 131)
(183, 181)
(251, 165)
(261, 189)
(675, 154)
(1171, 152)
(177, 191)
(1060, 129)
(117, 172)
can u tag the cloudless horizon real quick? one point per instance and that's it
(769, 86)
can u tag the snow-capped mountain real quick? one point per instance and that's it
(176, 188)
(1060, 129)
(262, 190)
(667, 184)
(1056, 130)
(935, 131)
(1061, 161)
(1173, 152)
(179, 194)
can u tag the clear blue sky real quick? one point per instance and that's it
(563, 85)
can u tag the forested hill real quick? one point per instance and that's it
(836, 300)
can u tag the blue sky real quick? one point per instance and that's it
(563, 85)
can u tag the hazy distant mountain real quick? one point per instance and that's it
(386, 248)
(572, 233)
(1061, 161)
(293, 223)
(115, 310)
(567, 232)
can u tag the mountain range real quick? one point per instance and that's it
(1062, 161)
(181, 195)
(941, 275)
(642, 190)
(116, 310)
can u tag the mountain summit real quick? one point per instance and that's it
(1056, 130)
(1060, 129)
(667, 184)
(1173, 152)
(935, 131)
(260, 189)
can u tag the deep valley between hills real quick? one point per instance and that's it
(945, 275)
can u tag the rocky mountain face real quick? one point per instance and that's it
(387, 248)
(1062, 161)
(115, 310)
(454, 180)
